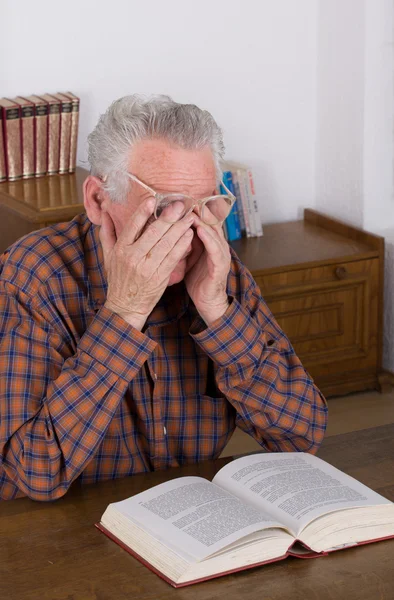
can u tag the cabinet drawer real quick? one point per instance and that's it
(329, 313)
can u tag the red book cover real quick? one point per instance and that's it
(308, 553)
(53, 133)
(40, 135)
(3, 170)
(65, 131)
(12, 138)
(74, 130)
(27, 136)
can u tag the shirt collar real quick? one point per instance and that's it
(171, 306)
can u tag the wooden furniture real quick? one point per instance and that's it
(52, 551)
(323, 280)
(30, 204)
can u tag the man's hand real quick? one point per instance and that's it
(208, 268)
(139, 263)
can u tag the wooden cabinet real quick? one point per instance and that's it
(322, 279)
(323, 282)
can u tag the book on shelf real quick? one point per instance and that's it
(65, 131)
(3, 170)
(27, 136)
(40, 135)
(244, 190)
(232, 222)
(258, 509)
(53, 133)
(74, 130)
(11, 138)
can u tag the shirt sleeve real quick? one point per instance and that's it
(56, 401)
(258, 372)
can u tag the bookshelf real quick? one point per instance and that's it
(322, 279)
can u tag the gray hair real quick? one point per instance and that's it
(133, 118)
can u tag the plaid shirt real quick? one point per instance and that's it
(85, 395)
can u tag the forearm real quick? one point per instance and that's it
(259, 374)
(68, 420)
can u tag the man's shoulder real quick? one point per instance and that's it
(39, 256)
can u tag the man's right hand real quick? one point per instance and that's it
(139, 263)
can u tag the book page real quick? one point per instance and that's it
(294, 487)
(193, 517)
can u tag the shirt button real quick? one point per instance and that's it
(155, 376)
(165, 431)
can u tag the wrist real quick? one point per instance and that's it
(210, 314)
(134, 319)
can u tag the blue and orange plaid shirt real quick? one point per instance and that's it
(85, 395)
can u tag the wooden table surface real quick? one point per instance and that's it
(52, 551)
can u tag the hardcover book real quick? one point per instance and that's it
(74, 130)
(27, 136)
(3, 170)
(40, 135)
(232, 221)
(53, 133)
(12, 138)
(65, 132)
(258, 509)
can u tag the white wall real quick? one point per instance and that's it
(340, 109)
(252, 63)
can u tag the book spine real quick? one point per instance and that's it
(41, 139)
(12, 142)
(249, 203)
(53, 138)
(65, 136)
(232, 221)
(27, 141)
(244, 201)
(237, 193)
(256, 212)
(3, 170)
(74, 135)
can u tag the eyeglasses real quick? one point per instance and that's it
(173, 207)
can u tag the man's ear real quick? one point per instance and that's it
(95, 198)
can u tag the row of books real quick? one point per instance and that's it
(38, 135)
(244, 219)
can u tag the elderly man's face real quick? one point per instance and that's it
(166, 168)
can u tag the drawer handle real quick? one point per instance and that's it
(341, 272)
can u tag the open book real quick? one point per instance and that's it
(259, 508)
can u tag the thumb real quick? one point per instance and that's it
(107, 236)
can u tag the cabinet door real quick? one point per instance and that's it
(330, 315)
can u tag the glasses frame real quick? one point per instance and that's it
(200, 203)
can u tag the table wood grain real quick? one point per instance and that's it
(52, 551)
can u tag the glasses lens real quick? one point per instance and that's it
(172, 208)
(216, 210)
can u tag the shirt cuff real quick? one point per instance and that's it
(234, 337)
(116, 344)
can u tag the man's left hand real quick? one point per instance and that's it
(207, 271)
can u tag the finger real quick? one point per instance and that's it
(161, 230)
(216, 230)
(138, 220)
(170, 261)
(107, 235)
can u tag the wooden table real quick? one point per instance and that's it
(52, 551)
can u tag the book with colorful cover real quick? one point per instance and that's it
(232, 221)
